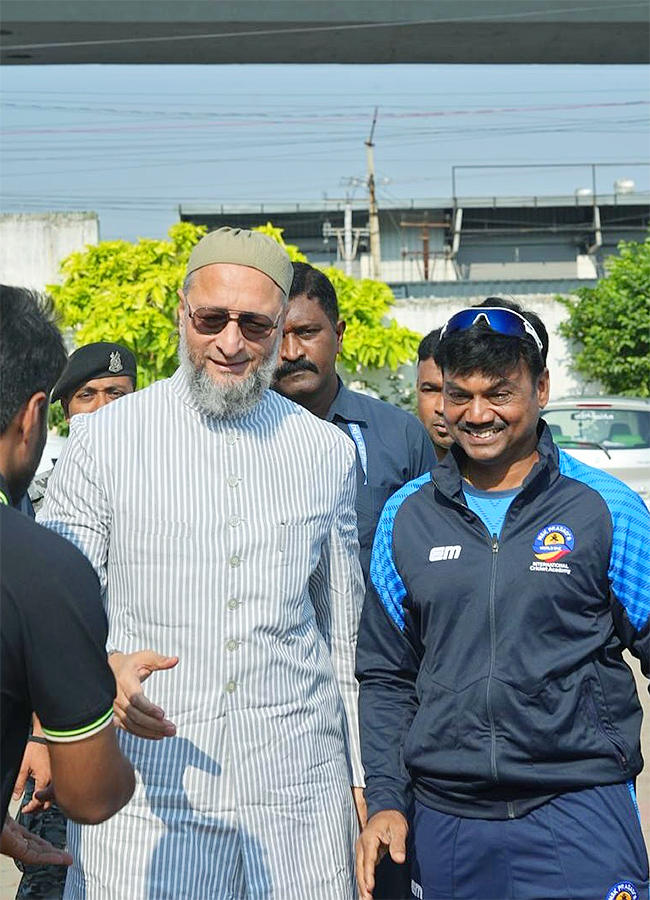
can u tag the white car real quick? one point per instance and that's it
(610, 433)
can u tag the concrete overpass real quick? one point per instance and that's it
(37, 32)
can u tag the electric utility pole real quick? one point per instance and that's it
(347, 238)
(375, 248)
(425, 225)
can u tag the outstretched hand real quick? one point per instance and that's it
(30, 849)
(134, 712)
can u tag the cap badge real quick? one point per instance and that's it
(115, 364)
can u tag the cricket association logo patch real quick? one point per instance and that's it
(551, 545)
(623, 890)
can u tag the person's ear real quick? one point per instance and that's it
(543, 388)
(33, 413)
(340, 331)
(180, 311)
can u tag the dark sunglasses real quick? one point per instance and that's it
(213, 319)
(499, 319)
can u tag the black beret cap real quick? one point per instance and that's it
(94, 361)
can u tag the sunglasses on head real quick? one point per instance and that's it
(213, 319)
(499, 319)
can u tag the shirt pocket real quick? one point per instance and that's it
(296, 555)
(293, 542)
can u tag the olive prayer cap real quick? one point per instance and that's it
(244, 248)
(94, 361)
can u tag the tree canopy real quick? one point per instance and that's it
(372, 340)
(609, 324)
(126, 292)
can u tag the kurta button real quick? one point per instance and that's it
(234, 561)
(234, 521)
(232, 645)
(233, 603)
(231, 687)
(232, 480)
(231, 438)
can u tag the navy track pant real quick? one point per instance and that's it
(583, 845)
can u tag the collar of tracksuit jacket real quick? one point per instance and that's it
(447, 477)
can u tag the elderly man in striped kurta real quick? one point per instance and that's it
(220, 519)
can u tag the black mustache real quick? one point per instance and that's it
(295, 365)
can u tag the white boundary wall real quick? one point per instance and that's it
(425, 315)
(33, 245)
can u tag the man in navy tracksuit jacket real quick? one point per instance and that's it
(500, 724)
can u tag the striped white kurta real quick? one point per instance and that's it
(232, 545)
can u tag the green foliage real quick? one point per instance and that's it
(126, 292)
(397, 387)
(118, 291)
(372, 341)
(400, 390)
(610, 323)
(56, 420)
(276, 233)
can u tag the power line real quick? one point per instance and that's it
(297, 118)
(238, 96)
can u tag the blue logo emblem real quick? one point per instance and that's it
(553, 542)
(623, 890)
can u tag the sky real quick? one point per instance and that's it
(133, 142)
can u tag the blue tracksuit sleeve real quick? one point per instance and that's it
(388, 661)
(629, 562)
(629, 576)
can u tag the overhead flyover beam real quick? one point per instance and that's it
(38, 32)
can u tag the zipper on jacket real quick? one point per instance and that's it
(493, 650)
(511, 810)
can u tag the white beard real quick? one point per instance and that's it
(226, 401)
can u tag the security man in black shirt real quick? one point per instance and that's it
(392, 446)
(95, 375)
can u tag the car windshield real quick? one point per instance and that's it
(613, 428)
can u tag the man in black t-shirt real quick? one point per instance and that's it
(53, 659)
(95, 374)
(53, 656)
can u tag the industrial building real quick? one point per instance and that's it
(440, 254)
(455, 242)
